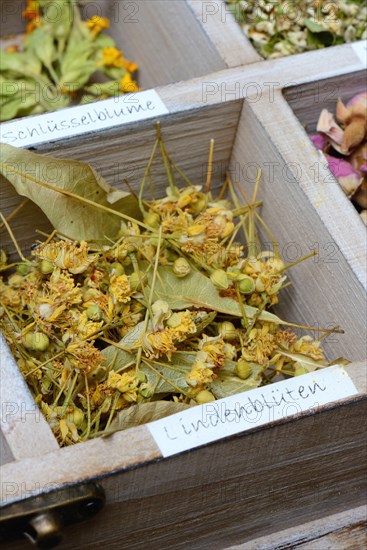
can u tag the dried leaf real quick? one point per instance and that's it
(22, 63)
(116, 358)
(144, 413)
(197, 290)
(304, 360)
(41, 44)
(26, 171)
(318, 33)
(9, 106)
(229, 384)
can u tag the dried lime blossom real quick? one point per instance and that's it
(174, 310)
(277, 29)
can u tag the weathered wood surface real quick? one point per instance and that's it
(224, 32)
(240, 488)
(245, 486)
(344, 531)
(23, 427)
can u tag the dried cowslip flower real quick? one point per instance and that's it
(47, 60)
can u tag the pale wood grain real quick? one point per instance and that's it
(23, 427)
(166, 39)
(346, 530)
(130, 448)
(229, 492)
(5, 453)
(224, 32)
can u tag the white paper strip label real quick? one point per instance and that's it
(82, 119)
(206, 423)
(360, 49)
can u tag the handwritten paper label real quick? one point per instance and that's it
(360, 49)
(206, 423)
(75, 121)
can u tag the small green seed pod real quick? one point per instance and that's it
(199, 205)
(181, 267)
(227, 330)
(117, 269)
(46, 267)
(76, 416)
(243, 370)
(36, 341)
(219, 278)
(246, 285)
(205, 396)
(134, 281)
(141, 376)
(94, 312)
(23, 269)
(146, 391)
(152, 219)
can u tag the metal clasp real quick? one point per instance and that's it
(41, 519)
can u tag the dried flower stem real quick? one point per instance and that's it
(11, 234)
(210, 167)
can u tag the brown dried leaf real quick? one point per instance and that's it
(30, 173)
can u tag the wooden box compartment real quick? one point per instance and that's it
(307, 101)
(232, 14)
(170, 41)
(244, 486)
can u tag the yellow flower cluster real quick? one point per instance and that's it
(163, 342)
(126, 383)
(65, 255)
(199, 377)
(112, 57)
(97, 24)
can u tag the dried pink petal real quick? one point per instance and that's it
(327, 126)
(348, 178)
(319, 141)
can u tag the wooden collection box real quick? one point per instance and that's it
(170, 41)
(244, 486)
(272, 478)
